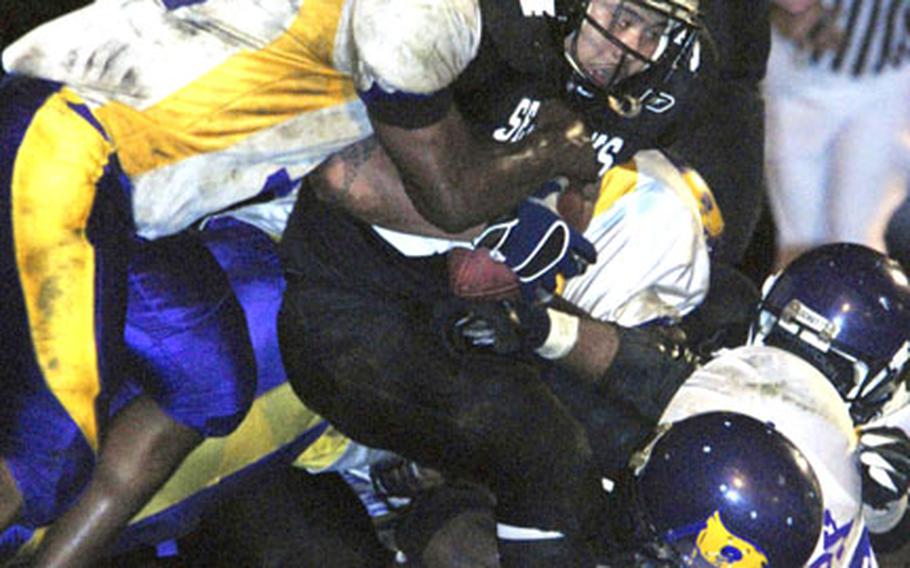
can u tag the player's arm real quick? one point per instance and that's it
(138, 454)
(642, 367)
(363, 180)
(455, 179)
(10, 497)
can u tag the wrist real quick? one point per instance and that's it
(561, 336)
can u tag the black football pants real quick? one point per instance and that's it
(359, 346)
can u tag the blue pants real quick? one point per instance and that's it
(74, 273)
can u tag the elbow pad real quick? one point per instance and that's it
(649, 367)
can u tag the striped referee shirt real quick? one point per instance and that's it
(876, 36)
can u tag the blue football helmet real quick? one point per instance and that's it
(845, 308)
(603, 54)
(724, 489)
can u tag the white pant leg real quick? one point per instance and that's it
(866, 166)
(831, 147)
(801, 126)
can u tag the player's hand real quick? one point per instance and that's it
(503, 327)
(538, 244)
(811, 26)
(884, 456)
(651, 364)
(646, 109)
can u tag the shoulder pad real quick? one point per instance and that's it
(416, 46)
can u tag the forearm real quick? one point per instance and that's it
(594, 352)
(138, 454)
(10, 497)
(362, 180)
(457, 181)
(640, 367)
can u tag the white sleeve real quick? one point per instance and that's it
(139, 52)
(415, 46)
(652, 260)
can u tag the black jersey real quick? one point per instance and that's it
(742, 36)
(516, 66)
(519, 63)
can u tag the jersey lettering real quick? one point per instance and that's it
(521, 123)
(607, 148)
(534, 8)
(835, 540)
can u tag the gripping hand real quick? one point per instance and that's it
(538, 244)
(504, 327)
(884, 455)
(650, 365)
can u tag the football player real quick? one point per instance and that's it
(185, 333)
(663, 274)
(124, 136)
(825, 368)
(845, 308)
(774, 387)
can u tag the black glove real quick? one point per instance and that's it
(645, 110)
(650, 366)
(504, 327)
(884, 456)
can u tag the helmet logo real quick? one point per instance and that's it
(720, 547)
(537, 8)
(658, 102)
(796, 314)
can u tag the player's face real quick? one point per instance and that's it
(635, 26)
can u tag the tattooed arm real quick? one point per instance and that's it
(363, 180)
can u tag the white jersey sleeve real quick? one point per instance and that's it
(415, 46)
(775, 386)
(139, 52)
(652, 254)
(209, 103)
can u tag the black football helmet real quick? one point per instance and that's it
(724, 489)
(608, 42)
(845, 308)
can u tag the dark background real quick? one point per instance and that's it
(19, 16)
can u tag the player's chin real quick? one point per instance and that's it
(603, 77)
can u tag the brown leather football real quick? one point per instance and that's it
(475, 275)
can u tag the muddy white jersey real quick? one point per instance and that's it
(210, 103)
(773, 385)
(651, 227)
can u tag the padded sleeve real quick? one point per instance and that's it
(418, 47)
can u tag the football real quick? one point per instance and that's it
(475, 275)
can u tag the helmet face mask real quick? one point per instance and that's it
(844, 308)
(609, 41)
